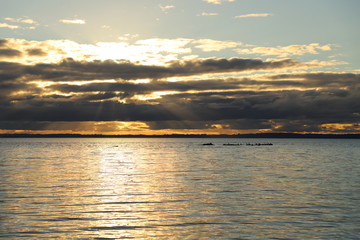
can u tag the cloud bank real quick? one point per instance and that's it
(181, 95)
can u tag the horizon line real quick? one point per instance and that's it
(245, 135)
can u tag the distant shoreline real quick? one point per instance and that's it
(256, 135)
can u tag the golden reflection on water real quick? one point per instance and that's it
(173, 189)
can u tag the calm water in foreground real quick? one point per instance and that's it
(179, 189)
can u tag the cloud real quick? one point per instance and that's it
(286, 51)
(71, 70)
(72, 21)
(254, 15)
(148, 51)
(218, 1)
(279, 102)
(154, 51)
(5, 25)
(24, 51)
(60, 60)
(208, 14)
(323, 79)
(266, 105)
(209, 45)
(71, 127)
(143, 88)
(9, 53)
(3, 42)
(36, 52)
(337, 83)
(22, 23)
(163, 44)
(39, 82)
(21, 20)
(165, 8)
(128, 36)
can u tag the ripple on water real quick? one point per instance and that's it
(179, 189)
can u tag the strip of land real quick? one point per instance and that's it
(256, 135)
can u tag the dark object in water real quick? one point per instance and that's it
(259, 144)
(207, 144)
(232, 144)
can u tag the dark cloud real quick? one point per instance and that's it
(3, 42)
(99, 96)
(7, 89)
(56, 96)
(41, 125)
(189, 85)
(11, 87)
(23, 125)
(71, 70)
(36, 52)
(178, 125)
(10, 68)
(323, 79)
(149, 87)
(230, 65)
(10, 53)
(305, 81)
(6, 77)
(320, 105)
(82, 111)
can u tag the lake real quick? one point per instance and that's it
(178, 188)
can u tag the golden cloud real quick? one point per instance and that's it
(254, 15)
(72, 21)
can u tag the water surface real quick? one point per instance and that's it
(179, 189)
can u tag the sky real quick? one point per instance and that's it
(179, 66)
